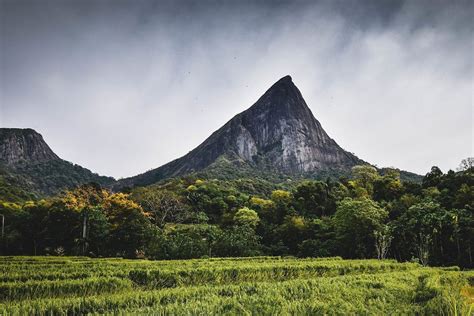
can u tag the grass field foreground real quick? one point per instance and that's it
(259, 285)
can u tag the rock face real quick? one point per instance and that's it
(279, 129)
(27, 162)
(19, 146)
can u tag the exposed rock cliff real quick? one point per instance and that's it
(19, 146)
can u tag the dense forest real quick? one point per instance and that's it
(371, 214)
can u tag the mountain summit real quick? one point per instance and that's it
(278, 133)
(18, 146)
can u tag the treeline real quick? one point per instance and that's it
(368, 215)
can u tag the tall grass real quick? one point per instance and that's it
(261, 286)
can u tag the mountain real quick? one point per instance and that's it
(278, 134)
(18, 146)
(29, 168)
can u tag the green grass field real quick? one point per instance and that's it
(244, 286)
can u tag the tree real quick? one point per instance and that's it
(466, 164)
(322, 239)
(34, 227)
(281, 197)
(13, 217)
(432, 178)
(314, 199)
(131, 228)
(293, 231)
(364, 177)
(388, 187)
(238, 241)
(282, 201)
(355, 221)
(429, 227)
(185, 241)
(210, 198)
(246, 216)
(383, 239)
(464, 236)
(81, 201)
(98, 231)
(423, 248)
(164, 206)
(62, 228)
(262, 206)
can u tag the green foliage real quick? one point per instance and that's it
(388, 187)
(365, 177)
(228, 167)
(238, 241)
(322, 240)
(190, 241)
(355, 222)
(246, 216)
(87, 220)
(258, 285)
(314, 199)
(47, 178)
(199, 215)
(446, 230)
(14, 188)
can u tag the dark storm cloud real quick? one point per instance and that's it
(125, 86)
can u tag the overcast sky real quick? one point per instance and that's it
(121, 87)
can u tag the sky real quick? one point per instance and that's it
(122, 87)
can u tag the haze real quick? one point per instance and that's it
(121, 87)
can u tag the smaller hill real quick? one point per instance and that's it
(29, 168)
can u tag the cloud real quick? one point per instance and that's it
(123, 87)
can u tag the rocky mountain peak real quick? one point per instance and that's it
(278, 133)
(282, 96)
(281, 127)
(285, 84)
(20, 146)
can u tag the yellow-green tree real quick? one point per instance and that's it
(246, 216)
